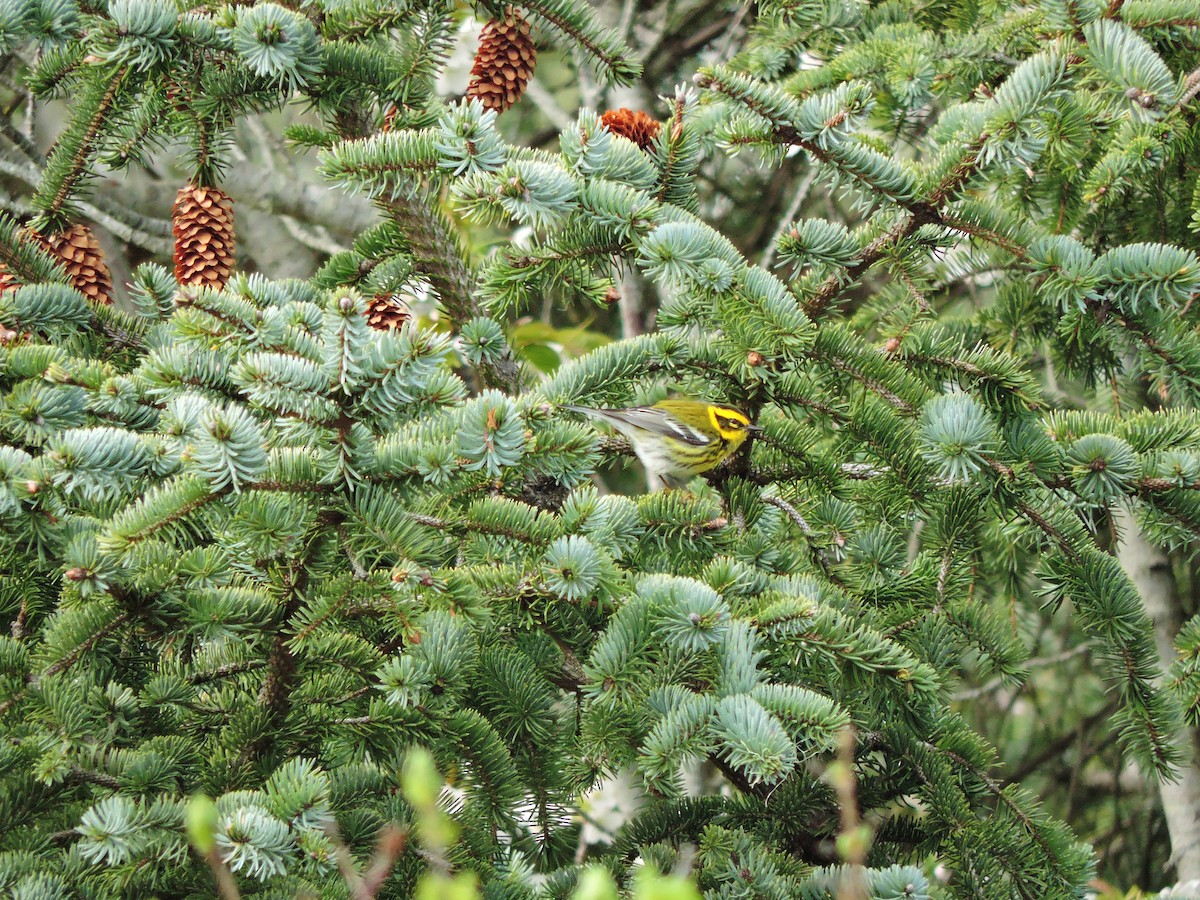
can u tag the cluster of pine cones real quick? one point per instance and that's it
(202, 219)
(504, 64)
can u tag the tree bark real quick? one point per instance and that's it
(1150, 570)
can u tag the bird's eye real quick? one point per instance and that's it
(730, 424)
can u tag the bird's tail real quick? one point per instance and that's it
(586, 411)
(612, 416)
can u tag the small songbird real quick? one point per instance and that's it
(678, 438)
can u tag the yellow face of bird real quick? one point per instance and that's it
(731, 425)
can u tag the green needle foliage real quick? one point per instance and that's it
(254, 550)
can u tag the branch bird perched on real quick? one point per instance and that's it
(678, 438)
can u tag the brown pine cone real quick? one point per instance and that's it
(385, 312)
(389, 117)
(504, 62)
(79, 253)
(635, 125)
(204, 236)
(8, 281)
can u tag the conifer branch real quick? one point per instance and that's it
(75, 169)
(292, 484)
(275, 694)
(1001, 796)
(439, 257)
(65, 662)
(843, 365)
(249, 665)
(805, 529)
(102, 779)
(674, 129)
(1049, 530)
(927, 212)
(606, 50)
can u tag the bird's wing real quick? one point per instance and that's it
(643, 419)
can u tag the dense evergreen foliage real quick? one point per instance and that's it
(255, 549)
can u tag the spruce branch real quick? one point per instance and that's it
(101, 779)
(1001, 797)
(807, 530)
(65, 662)
(927, 212)
(26, 258)
(841, 364)
(249, 665)
(607, 52)
(332, 554)
(69, 160)
(276, 692)
(439, 257)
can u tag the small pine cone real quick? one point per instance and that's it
(385, 312)
(389, 117)
(635, 125)
(80, 254)
(204, 238)
(8, 281)
(504, 62)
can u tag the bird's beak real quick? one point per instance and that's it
(754, 428)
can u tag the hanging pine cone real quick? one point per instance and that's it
(504, 62)
(385, 312)
(79, 253)
(204, 238)
(635, 125)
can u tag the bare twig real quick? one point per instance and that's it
(225, 883)
(854, 838)
(315, 237)
(1041, 662)
(548, 106)
(805, 529)
(123, 223)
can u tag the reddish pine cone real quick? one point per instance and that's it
(504, 62)
(79, 253)
(204, 238)
(635, 125)
(385, 312)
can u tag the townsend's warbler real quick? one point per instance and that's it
(678, 438)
